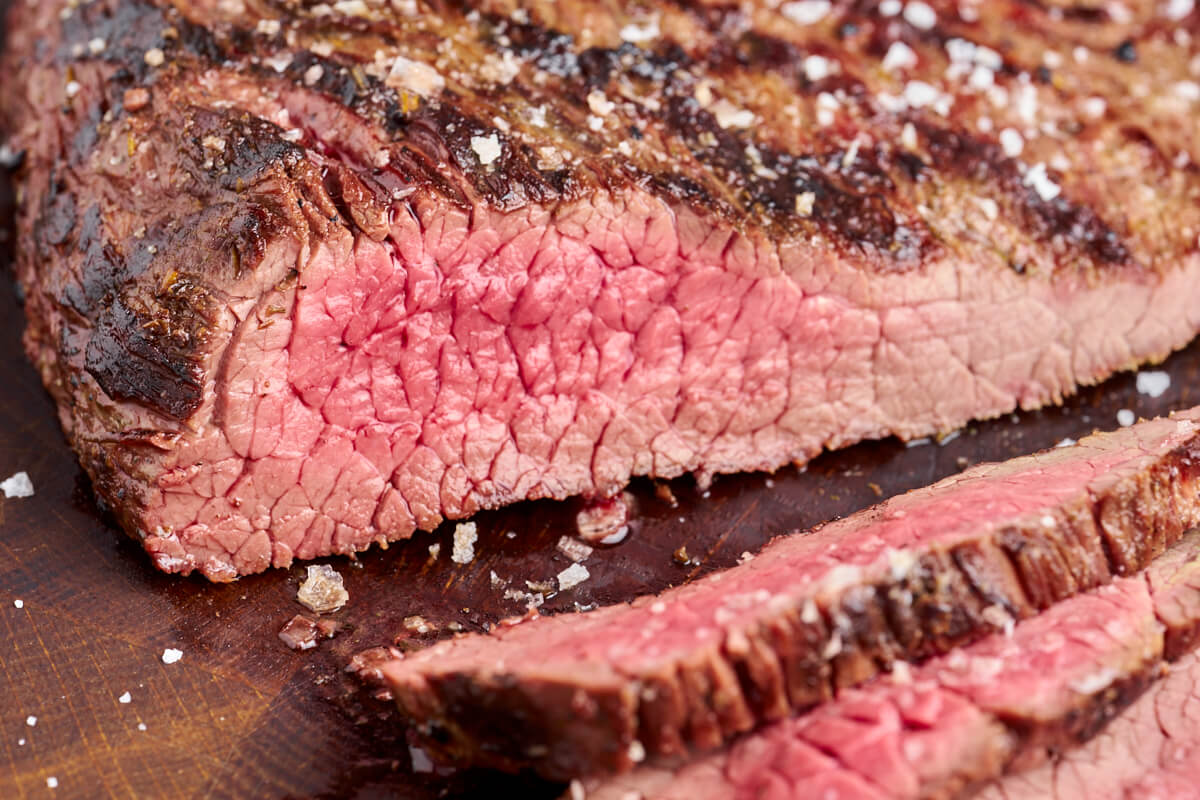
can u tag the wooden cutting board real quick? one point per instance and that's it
(84, 619)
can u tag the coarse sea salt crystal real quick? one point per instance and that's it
(1125, 418)
(920, 94)
(1153, 383)
(171, 655)
(487, 148)
(818, 68)
(17, 485)
(322, 590)
(920, 15)
(125, 698)
(1012, 142)
(638, 34)
(1037, 179)
(1176, 10)
(465, 536)
(899, 56)
(807, 12)
(414, 76)
(572, 576)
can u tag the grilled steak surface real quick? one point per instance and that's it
(307, 277)
(940, 730)
(578, 694)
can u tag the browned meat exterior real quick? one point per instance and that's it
(1151, 751)
(307, 277)
(1008, 702)
(588, 693)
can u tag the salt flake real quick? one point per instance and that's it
(18, 485)
(1153, 383)
(807, 12)
(487, 148)
(465, 536)
(920, 15)
(171, 655)
(572, 576)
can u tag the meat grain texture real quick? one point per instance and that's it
(303, 281)
(814, 612)
(1006, 704)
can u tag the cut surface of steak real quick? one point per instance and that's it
(305, 280)
(912, 577)
(1150, 752)
(940, 730)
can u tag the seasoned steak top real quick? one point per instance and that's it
(890, 130)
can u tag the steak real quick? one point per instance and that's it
(814, 612)
(1150, 752)
(303, 277)
(1007, 702)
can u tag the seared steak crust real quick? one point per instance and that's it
(305, 277)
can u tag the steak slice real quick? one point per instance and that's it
(1150, 752)
(917, 575)
(306, 277)
(1007, 702)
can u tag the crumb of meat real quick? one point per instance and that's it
(367, 663)
(465, 536)
(573, 549)
(18, 485)
(300, 633)
(136, 99)
(171, 655)
(604, 521)
(572, 576)
(322, 591)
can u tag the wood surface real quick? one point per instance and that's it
(241, 715)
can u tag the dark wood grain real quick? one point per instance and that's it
(241, 715)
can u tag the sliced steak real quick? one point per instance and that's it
(914, 576)
(305, 280)
(1008, 702)
(1151, 751)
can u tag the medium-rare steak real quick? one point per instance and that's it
(914, 576)
(1007, 702)
(306, 277)
(1150, 752)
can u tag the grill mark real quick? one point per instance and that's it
(977, 160)
(857, 220)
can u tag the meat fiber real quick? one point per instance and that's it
(1008, 702)
(304, 277)
(912, 577)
